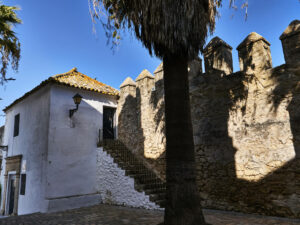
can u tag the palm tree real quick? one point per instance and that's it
(174, 31)
(9, 43)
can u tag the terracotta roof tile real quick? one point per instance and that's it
(72, 78)
(76, 79)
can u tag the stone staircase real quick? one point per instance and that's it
(144, 179)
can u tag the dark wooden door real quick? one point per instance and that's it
(12, 189)
(108, 123)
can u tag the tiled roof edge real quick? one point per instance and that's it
(52, 80)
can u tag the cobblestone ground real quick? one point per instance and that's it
(114, 215)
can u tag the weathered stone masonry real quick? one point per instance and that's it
(246, 125)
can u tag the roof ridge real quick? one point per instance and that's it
(66, 73)
(96, 81)
(70, 72)
(74, 72)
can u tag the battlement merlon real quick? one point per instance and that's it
(194, 69)
(254, 57)
(218, 55)
(254, 54)
(145, 82)
(128, 87)
(128, 82)
(145, 74)
(290, 40)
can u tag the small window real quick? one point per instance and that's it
(17, 124)
(23, 184)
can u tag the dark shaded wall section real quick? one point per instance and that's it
(246, 125)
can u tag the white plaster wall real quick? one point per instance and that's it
(117, 188)
(71, 162)
(32, 144)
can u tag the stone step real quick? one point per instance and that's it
(120, 163)
(155, 191)
(142, 182)
(157, 197)
(161, 203)
(133, 173)
(142, 179)
(145, 177)
(136, 167)
(131, 160)
(145, 180)
(152, 186)
(127, 166)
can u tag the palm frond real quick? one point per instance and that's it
(10, 47)
(163, 26)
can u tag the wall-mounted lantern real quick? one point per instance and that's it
(77, 99)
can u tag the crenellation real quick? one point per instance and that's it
(145, 83)
(128, 82)
(290, 40)
(218, 56)
(158, 79)
(127, 113)
(254, 54)
(128, 87)
(145, 74)
(245, 125)
(159, 69)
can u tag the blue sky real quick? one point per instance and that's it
(57, 35)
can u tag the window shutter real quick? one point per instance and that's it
(17, 124)
(23, 184)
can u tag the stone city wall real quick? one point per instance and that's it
(246, 125)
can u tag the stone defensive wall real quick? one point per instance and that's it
(246, 124)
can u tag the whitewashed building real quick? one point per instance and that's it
(50, 162)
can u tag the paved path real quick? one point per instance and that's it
(114, 215)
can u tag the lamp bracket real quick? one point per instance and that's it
(72, 111)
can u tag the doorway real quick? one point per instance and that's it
(11, 188)
(109, 123)
(11, 193)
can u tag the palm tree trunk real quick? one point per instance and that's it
(182, 197)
